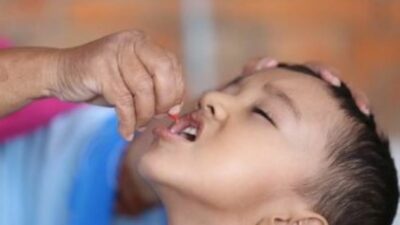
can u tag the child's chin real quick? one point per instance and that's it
(153, 164)
(146, 169)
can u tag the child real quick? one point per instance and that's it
(281, 146)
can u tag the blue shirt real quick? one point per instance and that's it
(65, 173)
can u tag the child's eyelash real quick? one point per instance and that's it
(263, 114)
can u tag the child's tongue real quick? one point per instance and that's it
(185, 127)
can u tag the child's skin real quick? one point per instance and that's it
(242, 167)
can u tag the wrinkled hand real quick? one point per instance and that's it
(125, 70)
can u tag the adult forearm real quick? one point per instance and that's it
(25, 74)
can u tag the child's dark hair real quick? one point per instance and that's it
(359, 185)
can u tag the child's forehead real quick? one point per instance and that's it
(281, 77)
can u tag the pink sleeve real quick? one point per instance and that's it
(4, 43)
(31, 117)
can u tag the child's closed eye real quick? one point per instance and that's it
(264, 114)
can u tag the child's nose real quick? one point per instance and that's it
(215, 105)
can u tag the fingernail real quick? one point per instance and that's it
(365, 109)
(330, 78)
(141, 129)
(130, 137)
(363, 106)
(176, 109)
(266, 63)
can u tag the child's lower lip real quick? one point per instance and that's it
(166, 134)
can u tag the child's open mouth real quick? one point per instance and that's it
(188, 127)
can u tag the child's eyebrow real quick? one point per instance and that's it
(271, 89)
(235, 81)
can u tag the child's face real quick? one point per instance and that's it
(239, 157)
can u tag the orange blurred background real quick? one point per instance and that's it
(215, 38)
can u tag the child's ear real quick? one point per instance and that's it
(306, 218)
(309, 218)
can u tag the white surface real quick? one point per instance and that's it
(199, 45)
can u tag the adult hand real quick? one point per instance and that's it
(125, 70)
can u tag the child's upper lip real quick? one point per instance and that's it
(194, 118)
